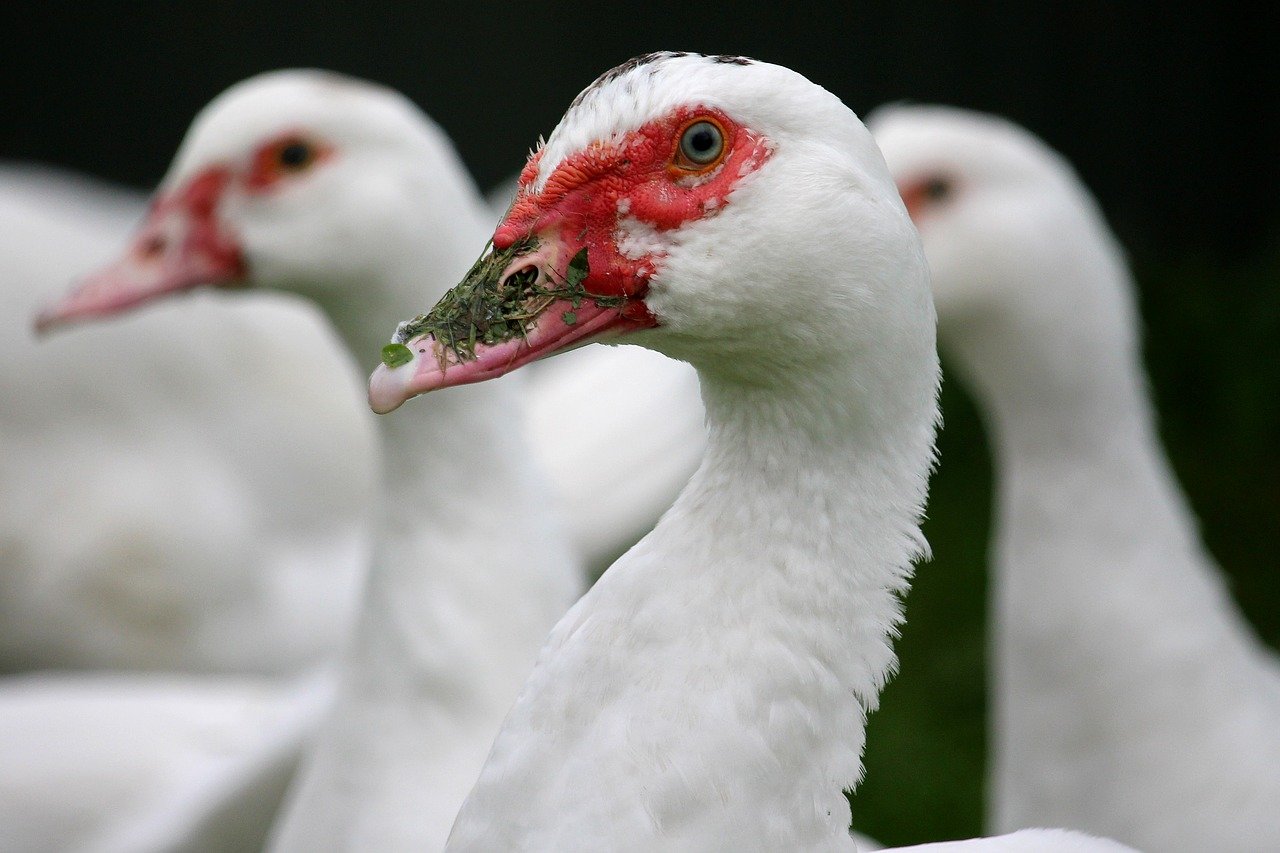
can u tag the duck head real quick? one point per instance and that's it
(1032, 287)
(669, 208)
(301, 180)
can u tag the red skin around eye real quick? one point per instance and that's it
(914, 197)
(580, 203)
(529, 173)
(915, 192)
(266, 171)
(201, 195)
(180, 245)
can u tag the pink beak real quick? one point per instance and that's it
(418, 362)
(179, 246)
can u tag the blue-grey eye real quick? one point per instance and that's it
(701, 143)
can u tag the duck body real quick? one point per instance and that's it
(1131, 698)
(150, 524)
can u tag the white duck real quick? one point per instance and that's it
(1130, 697)
(344, 192)
(710, 691)
(149, 520)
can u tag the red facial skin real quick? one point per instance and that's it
(267, 172)
(579, 205)
(643, 176)
(182, 243)
(921, 193)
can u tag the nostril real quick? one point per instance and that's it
(522, 278)
(152, 247)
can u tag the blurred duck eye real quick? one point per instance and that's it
(927, 193)
(296, 155)
(284, 158)
(937, 188)
(701, 146)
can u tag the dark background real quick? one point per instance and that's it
(1171, 114)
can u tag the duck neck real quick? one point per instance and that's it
(759, 613)
(1090, 518)
(803, 523)
(1113, 633)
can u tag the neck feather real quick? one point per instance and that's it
(717, 678)
(446, 460)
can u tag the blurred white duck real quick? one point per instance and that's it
(152, 520)
(1130, 696)
(710, 691)
(346, 193)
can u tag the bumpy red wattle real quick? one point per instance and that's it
(633, 178)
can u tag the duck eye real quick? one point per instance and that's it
(701, 144)
(282, 159)
(296, 155)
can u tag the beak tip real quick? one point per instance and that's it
(407, 376)
(386, 391)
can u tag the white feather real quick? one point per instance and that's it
(157, 515)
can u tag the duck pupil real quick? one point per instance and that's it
(295, 154)
(703, 141)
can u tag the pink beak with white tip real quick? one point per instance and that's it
(416, 363)
(180, 245)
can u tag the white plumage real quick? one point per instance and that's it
(152, 520)
(618, 430)
(115, 761)
(1130, 698)
(157, 516)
